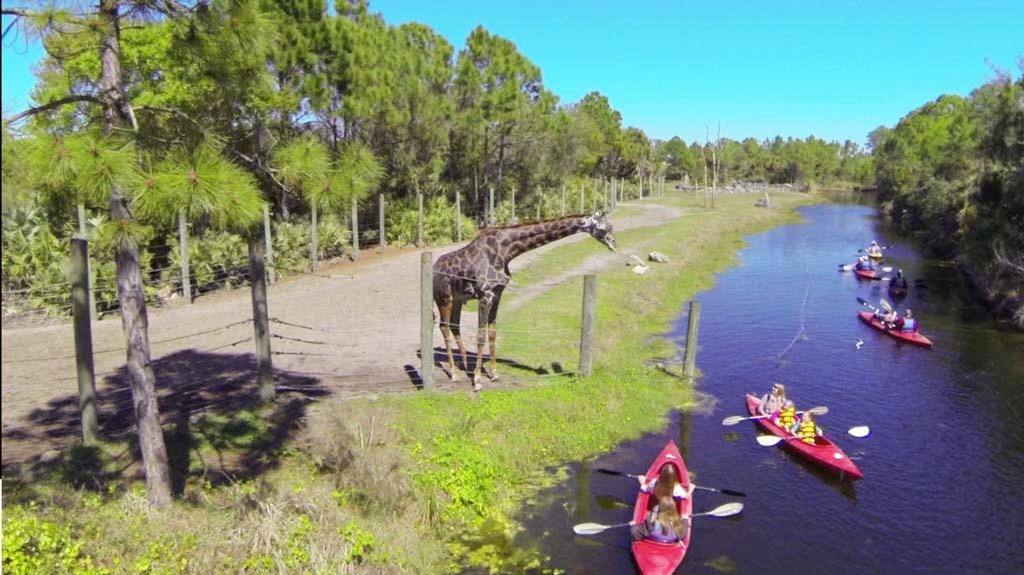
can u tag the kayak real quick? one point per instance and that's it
(823, 452)
(907, 336)
(654, 557)
(897, 291)
(866, 274)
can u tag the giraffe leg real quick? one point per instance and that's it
(445, 307)
(483, 313)
(492, 333)
(456, 325)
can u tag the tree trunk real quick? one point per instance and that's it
(134, 318)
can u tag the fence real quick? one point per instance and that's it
(263, 334)
(187, 280)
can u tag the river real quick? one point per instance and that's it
(944, 462)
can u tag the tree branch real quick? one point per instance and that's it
(51, 105)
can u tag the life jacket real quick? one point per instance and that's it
(909, 324)
(807, 431)
(787, 417)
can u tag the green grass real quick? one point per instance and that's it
(422, 483)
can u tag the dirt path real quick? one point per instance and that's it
(352, 331)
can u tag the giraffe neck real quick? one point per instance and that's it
(522, 239)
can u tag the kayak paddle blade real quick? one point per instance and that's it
(589, 528)
(860, 431)
(733, 419)
(768, 440)
(726, 510)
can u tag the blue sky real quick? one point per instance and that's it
(832, 68)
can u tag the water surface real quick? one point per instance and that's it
(944, 463)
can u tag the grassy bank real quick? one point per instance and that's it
(421, 483)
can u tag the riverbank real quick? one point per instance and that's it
(423, 483)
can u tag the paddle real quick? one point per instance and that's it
(864, 303)
(719, 490)
(726, 510)
(734, 419)
(772, 440)
(849, 267)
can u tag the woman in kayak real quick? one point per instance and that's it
(786, 418)
(663, 523)
(665, 484)
(905, 323)
(772, 402)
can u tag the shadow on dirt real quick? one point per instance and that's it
(213, 423)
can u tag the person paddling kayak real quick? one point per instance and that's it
(667, 483)
(907, 323)
(663, 523)
(874, 250)
(864, 264)
(771, 403)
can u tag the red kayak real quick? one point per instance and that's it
(866, 274)
(654, 557)
(907, 336)
(823, 452)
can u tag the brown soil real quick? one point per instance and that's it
(352, 330)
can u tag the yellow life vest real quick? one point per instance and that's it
(807, 431)
(787, 417)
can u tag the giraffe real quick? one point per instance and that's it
(480, 271)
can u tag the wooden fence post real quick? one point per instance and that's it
(583, 192)
(186, 276)
(383, 236)
(490, 206)
(427, 319)
(690, 360)
(261, 318)
(587, 331)
(83, 233)
(458, 216)
(268, 245)
(513, 205)
(563, 201)
(419, 221)
(83, 339)
(540, 200)
(354, 228)
(313, 239)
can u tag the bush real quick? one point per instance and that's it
(32, 545)
(402, 226)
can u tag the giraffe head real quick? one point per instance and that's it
(598, 226)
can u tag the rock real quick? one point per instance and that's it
(641, 270)
(634, 261)
(657, 257)
(49, 456)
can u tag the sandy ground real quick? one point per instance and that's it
(353, 330)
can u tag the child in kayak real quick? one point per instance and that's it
(663, 523)
(666, 484)
(874, 250)
(786, 418)
(772, 402)
(806, 429)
